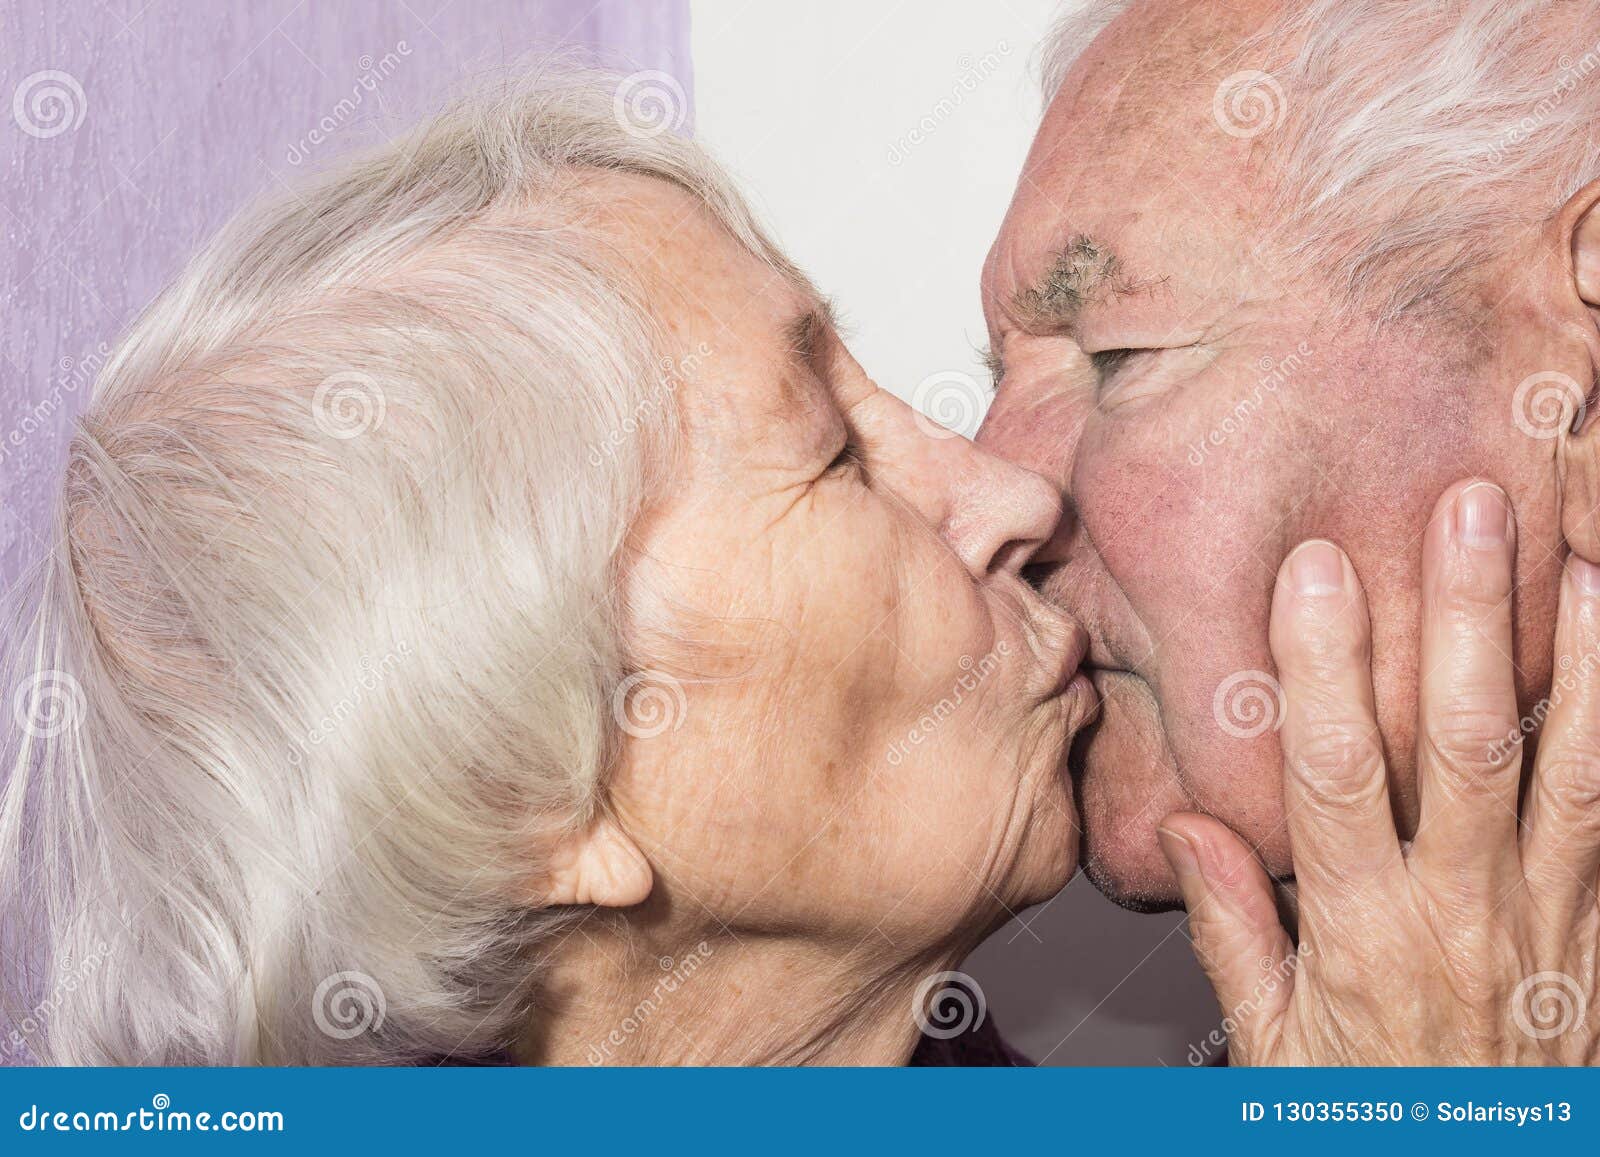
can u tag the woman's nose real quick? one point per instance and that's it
(1000, 514)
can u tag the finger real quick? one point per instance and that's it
(1561, 843)
(1234, 925)
(1468, 744)
(1336, 791)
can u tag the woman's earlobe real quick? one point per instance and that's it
(601, 865)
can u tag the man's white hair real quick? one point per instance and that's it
(1413, 136)
(326, 645)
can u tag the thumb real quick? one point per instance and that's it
(1234, 926)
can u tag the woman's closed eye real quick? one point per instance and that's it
(848, 459)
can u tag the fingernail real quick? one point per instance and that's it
(1317, 569)
(1585, 574)
(1179, 851)
(1483, 516)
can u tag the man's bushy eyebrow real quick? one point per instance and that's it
(1083, 270)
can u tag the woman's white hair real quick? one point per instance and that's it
(326, 645)
(1409, 137)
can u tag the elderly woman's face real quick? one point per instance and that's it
(863, 710)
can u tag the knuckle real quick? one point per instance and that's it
(1326, 646)
(1469, 591)
(1571, 782)
(1472, 737)
(1339, 762)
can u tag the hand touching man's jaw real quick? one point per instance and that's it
(1206, 399)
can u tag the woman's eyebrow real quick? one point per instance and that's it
(803, 333)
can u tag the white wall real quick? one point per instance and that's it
(881, 142)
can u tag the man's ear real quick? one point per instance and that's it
(1581, 222)
(1579, 448)
(600, 865)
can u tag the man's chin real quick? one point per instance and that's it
(1118, 849)
(1133, 897)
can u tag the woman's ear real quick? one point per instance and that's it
(600, 865)
(1579, 446)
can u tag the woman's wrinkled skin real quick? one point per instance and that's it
(861, 771)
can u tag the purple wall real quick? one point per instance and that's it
(131, 129)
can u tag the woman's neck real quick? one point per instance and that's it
(729, 1001)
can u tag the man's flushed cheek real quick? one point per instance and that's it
(1195, 569)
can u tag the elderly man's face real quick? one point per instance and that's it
(1203, 413)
